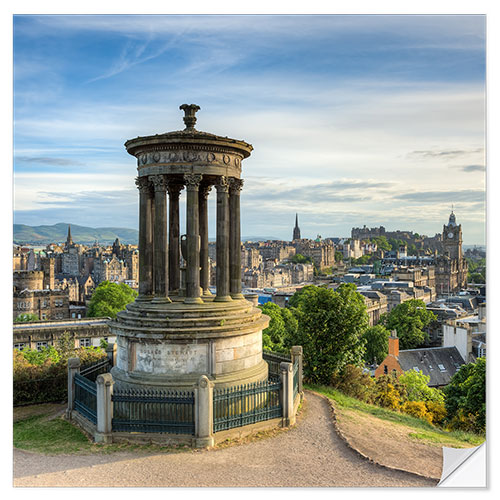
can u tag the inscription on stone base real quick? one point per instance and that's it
(172, 359)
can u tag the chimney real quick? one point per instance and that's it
(394, 344)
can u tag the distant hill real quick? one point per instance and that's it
(43, 235)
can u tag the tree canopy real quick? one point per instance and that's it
(466, 397)
(301, 259)
(110, 298)
(281, 330)
(409, 319)
(377, 343)
(330, 326)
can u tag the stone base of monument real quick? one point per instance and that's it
(169, 345)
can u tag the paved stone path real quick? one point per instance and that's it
(310, 454)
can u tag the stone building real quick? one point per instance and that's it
(31, 295)
(85, 333)
(451, 267)
(376, 305)
(322, 253)
(72, 257)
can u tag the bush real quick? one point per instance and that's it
(352, 381)
(437, 411)
(417, 409)
(389, 392)
(41, 377)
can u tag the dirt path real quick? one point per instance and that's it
(310, 454)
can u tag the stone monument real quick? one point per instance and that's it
(173, 334)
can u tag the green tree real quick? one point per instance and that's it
(301, 259)
(377, 344)
(465, 397)
(330, 325)
(339, 256)
(109, 298)
(363, 260)
(409, 319)
(282, 327)
(382, 243)
(417, 388)
(26, 318)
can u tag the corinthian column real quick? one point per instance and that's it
(160, 270)
(145, 239)
(193, 240)
(205, 270)
(235, 186)
(222, 277)
(174, 274)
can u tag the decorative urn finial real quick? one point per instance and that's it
(189, 115)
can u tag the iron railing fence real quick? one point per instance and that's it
(92, 371)
(153, 411)
(86, 397)
(247, 404)
(273, 360)
(296, 375)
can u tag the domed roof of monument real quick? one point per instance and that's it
(188, 136)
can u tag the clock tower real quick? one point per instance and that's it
(451, 266)
(452, 238)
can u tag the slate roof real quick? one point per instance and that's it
(440, 363)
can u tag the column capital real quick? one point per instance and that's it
(143, 185)
(174, 189)
(160, 182)
(235, 185)
(221, 184)
(192, 181)
(205, 190)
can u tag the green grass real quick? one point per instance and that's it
(423, 430)
(58, 436)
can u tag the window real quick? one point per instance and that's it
(41, 345)
(416, 369)
(20, 347)
(386, 370)
(85, 343)
(442, 368)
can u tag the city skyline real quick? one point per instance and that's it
(375, 120)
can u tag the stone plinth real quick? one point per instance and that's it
(172, 345)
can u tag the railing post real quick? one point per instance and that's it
(73, 368)
(104, 385)
(111, 353)
(286, 373)
(297, 353)
(204, 419)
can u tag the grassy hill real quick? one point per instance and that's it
(391, 438)
(42, 235)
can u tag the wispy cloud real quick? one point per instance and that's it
(473, 168)
(465, 195)
(46, 160)
(451, 154)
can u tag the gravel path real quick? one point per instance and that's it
(309, 454)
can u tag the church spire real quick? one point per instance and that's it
(296, 229)
(69, 240)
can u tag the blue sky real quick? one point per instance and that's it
(376, 120)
